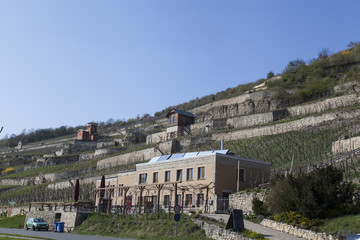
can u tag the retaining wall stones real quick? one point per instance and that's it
(302, 233)
(134, 157)
(345, 145)
(215, 232)
(243, 200)
(302, 124)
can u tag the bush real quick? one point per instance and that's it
(318, 194)
(295, 219)
(259, 207)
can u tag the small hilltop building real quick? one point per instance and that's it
(90, 134)
(178, 123)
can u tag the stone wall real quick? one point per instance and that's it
(302, 124)
(107, 151)
(13, 182)
(86, 156)
(71, 183)
(215, 232)
(71, 219)
(243, 201)
(346, 145)
(324, 105)
(134, 157)
(156, 137)
(302, 233)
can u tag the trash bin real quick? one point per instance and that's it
(61, 226)
(56, 224)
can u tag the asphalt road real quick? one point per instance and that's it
(54, 235)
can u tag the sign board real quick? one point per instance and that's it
(12, 203)
(236, 220)
(177, 209)
(177, 217)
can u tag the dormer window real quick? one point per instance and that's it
(174, 119)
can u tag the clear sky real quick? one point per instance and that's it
(69, 62)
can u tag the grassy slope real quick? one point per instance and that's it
(349, 222)
(16, 221)
(152, 226)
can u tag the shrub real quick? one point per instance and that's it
(295, 219)
(259, 207)
(318, 194)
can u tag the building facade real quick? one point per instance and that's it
(197, 180)
(178, 123)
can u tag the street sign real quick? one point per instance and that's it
(177, 209)
(177, 217)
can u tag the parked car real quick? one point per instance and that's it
(37, 223)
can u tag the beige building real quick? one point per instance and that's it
(196, 180)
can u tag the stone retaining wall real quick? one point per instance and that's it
(215, 232)
(302, 233)
(134, 157)
(243, 201)
(297, 125)
(345, 145)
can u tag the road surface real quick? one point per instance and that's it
(54, 235)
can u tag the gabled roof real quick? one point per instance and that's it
(180, 112)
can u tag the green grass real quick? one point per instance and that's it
(349, 222)
(152, 226)
(16, 221)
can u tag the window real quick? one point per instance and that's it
(179, 199)
(179, 175)
(188, 200)
(201, 173)
(189, 174)
(170, 119)
(200, 199)
(167, 176)
(142, 178)
(174, 119)
(155, 177)
(242, 175)
(166, 200)
(121, 190)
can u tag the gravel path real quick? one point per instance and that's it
(267, 232)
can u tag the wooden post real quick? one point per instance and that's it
(238, 178)
(176, 200)
(141, 188)
(42, 206)
(29, 206)
(159, 187)
(55, 207)
(126, 189)
(207, 199)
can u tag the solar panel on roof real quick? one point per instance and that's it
(205, 153)
(154, 159)
(163, 158)
(222, 151)
(190, 154)
(176, 156)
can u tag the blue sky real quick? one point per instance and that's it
(70, 62)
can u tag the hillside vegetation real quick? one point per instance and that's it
(293, 150)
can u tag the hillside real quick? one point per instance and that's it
(309, 115)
